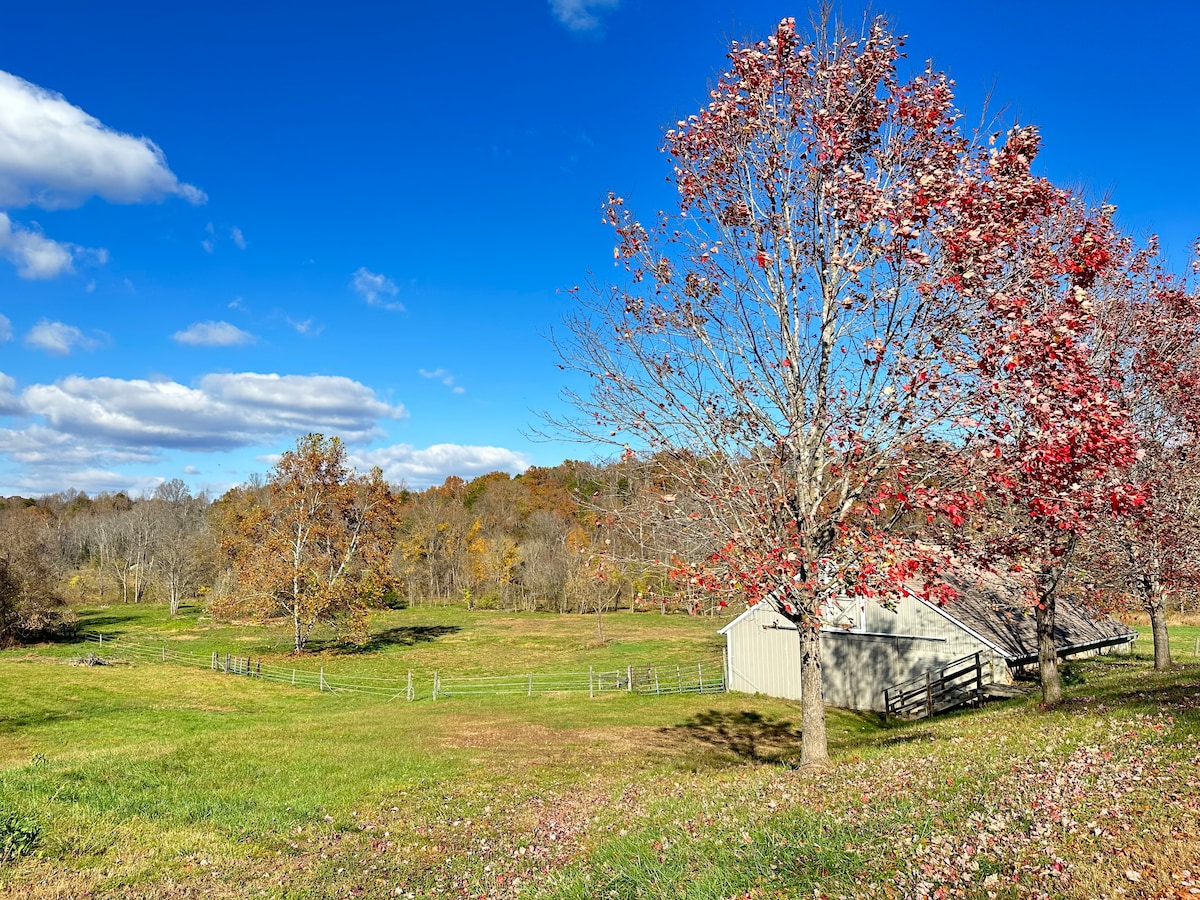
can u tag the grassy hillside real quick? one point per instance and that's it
(152, 780)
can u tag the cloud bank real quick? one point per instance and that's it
(80, 432)
(222, 412)
(405, 464)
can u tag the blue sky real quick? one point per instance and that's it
(222, 226)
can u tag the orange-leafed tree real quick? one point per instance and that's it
(314, 543)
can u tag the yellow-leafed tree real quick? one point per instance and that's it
(314, 543)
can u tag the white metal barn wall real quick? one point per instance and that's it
(857, 665)
(763, 654)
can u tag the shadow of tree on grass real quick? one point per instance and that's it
(402, 636)
(747, 735)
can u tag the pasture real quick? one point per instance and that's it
(144, 779)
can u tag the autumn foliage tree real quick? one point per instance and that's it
(31, 606)
(1149, 337)
(313, 543)
(795, 331)
(1055, 444)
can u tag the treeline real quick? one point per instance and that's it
(539, 541)
(573, 538)
(536, 541)
(110, 547)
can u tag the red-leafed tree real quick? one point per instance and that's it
(1056, 444)
(796, 330)
(1149, 335)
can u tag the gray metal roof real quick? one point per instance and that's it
(992, 608)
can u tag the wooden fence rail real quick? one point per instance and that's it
(955, 684)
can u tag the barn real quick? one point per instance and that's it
(867, 649)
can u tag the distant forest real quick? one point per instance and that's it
(574, 538)
(552, 538)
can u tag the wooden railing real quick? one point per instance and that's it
(956, 684)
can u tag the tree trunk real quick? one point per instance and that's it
(1048, 654)
(1153, 602)
(814, 744)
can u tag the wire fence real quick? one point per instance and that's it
(702, 678)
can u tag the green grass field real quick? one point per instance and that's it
(154, 780)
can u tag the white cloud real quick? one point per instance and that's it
(40, 446)
(224, 411)
(210, 242)
(59, 339)
(581, 15)
(48, 460)
(190, 470)
(55, 155)
(213, 334)
(37, 256)
(403, 463)
(10, 403)
(444, 376)
(310, 327)
(5, 329)
(93, 480)
(374, 288)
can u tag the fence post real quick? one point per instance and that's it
(928, 697)
(214, 660)
(887, 705)
(978, 679)
(409, 692)
(321, 682)
(530, 694)
(700, 676)
(435, 685)
(656, 690)
(258, 671)
(226, 663)
(679, 679)
(629, 678)
(102, 640)
(591, 691)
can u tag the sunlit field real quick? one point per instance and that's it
(149, 779)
